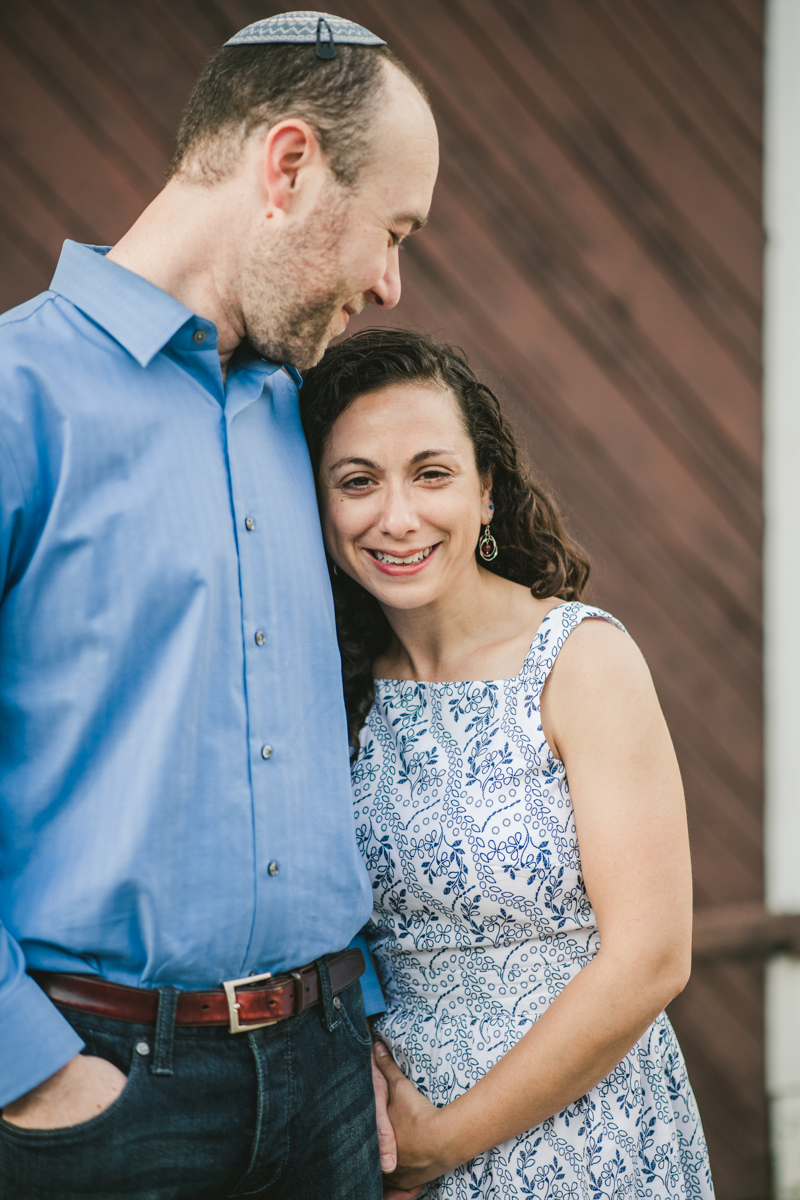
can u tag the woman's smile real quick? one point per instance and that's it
(409, 562)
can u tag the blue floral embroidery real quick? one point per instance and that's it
(464, 819)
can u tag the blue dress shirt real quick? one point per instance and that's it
(175, 802)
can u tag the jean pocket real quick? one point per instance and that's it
(352, 1016)
(67, 1134)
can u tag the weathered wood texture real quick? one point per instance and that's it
(746, 930)
(595, 245)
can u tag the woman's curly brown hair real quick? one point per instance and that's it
(534, 546)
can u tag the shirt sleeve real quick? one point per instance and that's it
(35, 1040)
(373, 995)
(17, 521)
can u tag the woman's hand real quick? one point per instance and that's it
(418, 1129)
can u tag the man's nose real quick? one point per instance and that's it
(386, 293)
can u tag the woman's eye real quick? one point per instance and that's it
(360, 481)
(433, 476)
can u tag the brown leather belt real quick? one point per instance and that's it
(241, 1004)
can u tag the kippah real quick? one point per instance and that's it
(307, 26)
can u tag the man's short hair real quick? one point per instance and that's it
(245, 87)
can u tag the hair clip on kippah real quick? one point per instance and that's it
(325, 49)
(306, 27)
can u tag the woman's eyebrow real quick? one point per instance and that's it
(366, 462)
(423, 454)
(354, 462)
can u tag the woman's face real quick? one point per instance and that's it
(401, 497)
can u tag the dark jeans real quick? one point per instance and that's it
(285, 1111)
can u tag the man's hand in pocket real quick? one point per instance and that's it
(79, 1091)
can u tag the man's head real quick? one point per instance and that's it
(322, 166)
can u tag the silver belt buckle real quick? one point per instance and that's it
(230, 986)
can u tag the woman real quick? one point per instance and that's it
(517, 801)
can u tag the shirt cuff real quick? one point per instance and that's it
(371, 988)
(35, 1040)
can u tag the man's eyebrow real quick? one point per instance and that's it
(353, 462)
(413, 219)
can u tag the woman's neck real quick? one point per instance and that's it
(482, 630)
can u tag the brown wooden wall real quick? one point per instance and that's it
(595, 246)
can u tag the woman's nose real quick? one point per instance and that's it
(398, 517)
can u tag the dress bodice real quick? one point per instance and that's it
(464, 818)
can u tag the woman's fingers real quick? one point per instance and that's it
(414, 1120)
(387, 1145)
(388, 1067)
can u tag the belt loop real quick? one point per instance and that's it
(299, 993)
(165, 1031)
(331, 1021)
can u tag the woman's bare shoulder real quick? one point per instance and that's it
(600, 688)
(599, 659)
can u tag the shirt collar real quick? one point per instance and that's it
(133, 311)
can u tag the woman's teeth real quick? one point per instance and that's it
(391, 558)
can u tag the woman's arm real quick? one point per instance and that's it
(601, 715)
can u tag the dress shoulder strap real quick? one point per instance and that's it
(550, 637)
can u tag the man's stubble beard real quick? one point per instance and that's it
(294, 288)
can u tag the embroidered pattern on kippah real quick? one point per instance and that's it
(299, 28)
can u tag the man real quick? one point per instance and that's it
(178, 869)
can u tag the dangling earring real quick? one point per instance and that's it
(487, 546)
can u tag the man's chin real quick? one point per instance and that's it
(318, 354)
(305, 360)
(313, 357)
(298, 357)
(301, 350)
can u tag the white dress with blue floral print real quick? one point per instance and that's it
(481, 918)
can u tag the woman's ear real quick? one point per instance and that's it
(487, 503)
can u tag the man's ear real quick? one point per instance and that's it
(290, 149)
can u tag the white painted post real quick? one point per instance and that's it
(782, 571)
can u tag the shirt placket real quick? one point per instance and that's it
(252, 526)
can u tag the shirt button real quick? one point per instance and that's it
(337, 1002)
(142, 1048)
(266, 751)
(273, 868)
(261, 637)
(199, 336)
(249, 524)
